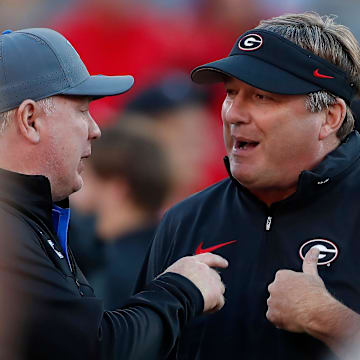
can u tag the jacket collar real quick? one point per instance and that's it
(29, 194)
(339, 160)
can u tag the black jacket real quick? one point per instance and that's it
(48, 311)
(325, 206)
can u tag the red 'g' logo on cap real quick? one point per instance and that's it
(250, 42)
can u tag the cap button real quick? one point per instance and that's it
(8, 31)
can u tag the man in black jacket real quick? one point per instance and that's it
(294, 170)
(47, 308)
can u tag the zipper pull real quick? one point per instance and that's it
(78, 285)
(268, 223)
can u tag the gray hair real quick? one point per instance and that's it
(331, 41)
(47, 105)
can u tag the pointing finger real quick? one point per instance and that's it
(212, 260)
(310, 261)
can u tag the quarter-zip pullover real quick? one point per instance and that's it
(257, 241)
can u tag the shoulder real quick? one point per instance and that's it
(14, 224)
(16, 235)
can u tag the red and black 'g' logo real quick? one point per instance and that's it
(250, 42)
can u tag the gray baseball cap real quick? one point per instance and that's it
(38, 63)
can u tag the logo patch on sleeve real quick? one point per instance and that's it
(328, 250)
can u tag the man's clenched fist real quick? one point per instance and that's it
(294, 296)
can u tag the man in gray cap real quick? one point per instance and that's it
(294, 170)
(47, 308)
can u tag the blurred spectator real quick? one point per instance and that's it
(186, 129)
(16, 14)
(126, 183)
(345, 12)
(133, 40)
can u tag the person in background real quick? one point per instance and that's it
(178, 112)
(127, 180)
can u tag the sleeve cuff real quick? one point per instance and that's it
(186, 286)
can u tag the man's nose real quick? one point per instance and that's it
(94, 130)
(236, 110)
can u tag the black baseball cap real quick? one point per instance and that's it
(37, 63)
(270, 62)
(171, 91)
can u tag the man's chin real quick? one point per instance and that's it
(238, 171)
(246, 179)
(66, 193)
(78, 185)
(62, 187)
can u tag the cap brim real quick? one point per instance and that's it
(254, 72)
(101, 85)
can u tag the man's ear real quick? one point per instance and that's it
(334, 117)
(28, 120)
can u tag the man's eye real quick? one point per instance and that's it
(262, 97)
(230, 92)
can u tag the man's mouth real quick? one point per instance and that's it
(82, 160)
(245, 145)
(86, 156)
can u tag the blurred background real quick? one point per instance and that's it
(169, 129)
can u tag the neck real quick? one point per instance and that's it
(270, 196)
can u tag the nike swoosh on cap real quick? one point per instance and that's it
(200, 250)
(322, 76)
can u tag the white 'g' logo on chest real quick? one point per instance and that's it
(328, 250)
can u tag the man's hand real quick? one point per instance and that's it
(299, 302)
(199, 270)
(295, 295)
